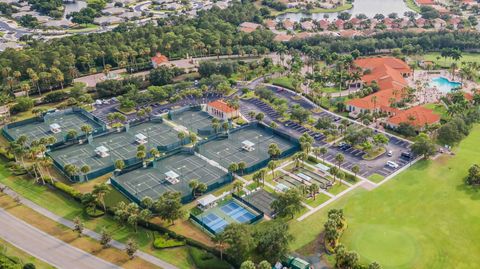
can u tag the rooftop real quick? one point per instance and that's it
(222, 106)
(418, 116)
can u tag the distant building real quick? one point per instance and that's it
(158, 60)
(220, 109)
(424, 2)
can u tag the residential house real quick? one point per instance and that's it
(288, 24)
(339, 24)
(323, 24)
(420, 22)
(282, 38)
(438, 24)
(249, 27)
(307, 25)
(424, 2)
(271, 24)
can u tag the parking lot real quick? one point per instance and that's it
(352, 156)
(105, 106)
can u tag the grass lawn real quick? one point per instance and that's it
(13, 252)
(411, 5)
(70, 209)
(424, 217)
(466, 57)
(337, 188)
(320, 198)
(283, 82)
(376, 177)
(438, 109)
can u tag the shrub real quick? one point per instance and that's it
(56, 96)
(94, 212)
(67, 189)
(164, 241)
(23, 104)
(206, 260)
(29, 266)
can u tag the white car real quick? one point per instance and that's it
(390, 153)
(393, 165)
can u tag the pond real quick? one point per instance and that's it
(71, 7)
(367, 7)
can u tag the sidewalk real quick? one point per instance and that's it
(145, 256)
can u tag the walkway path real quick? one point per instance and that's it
(46, 247)
(45, 212)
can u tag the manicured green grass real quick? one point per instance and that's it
(376, 177)
(446, 63)
(438, 109)
(337, 188)
(314, 10)
(411, 5)
(69, 209)
(11, 251)
(283, 82)
(320, 198)
(423, 218)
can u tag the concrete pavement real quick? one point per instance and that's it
(45, 247)
(86, 232)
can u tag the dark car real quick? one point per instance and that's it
(407, 155)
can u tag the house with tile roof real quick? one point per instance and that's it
(389, 74)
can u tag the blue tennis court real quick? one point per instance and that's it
(214, 222)
(237, 212)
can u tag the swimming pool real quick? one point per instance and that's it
(444, 85)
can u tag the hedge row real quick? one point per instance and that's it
(164, 241)
(67, 190)
(206, 260)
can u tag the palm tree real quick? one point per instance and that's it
(323, 151)
(241, 166)
(141, 155)
(355, 170)
(71, 170)
(85, 169)
(193, 138)
(225, 126)
(314, 188)
(339, 158)
(334, 172)
(119, 165)
(181, 136)
(262, 172)
(100, 191)
(233, 167)
(71, 134)
(237, 186)
(272, 165)
(86, 129)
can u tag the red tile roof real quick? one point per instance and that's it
(387, 73)
(418, 116)
(425, 2)
(159, 58)
(222, 106)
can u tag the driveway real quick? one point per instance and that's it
(45, 247)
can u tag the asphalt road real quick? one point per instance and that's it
(45, 247)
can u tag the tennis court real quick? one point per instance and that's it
(193, 119)
(262, 200)
(229, 150)
(152, 181)
(121, 146)
(226, 212)
(35, 130)
(159, 134)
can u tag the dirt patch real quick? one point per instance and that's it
(315, 247)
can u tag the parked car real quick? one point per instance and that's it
(393, 165)
(407, 155)
(389, 153)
